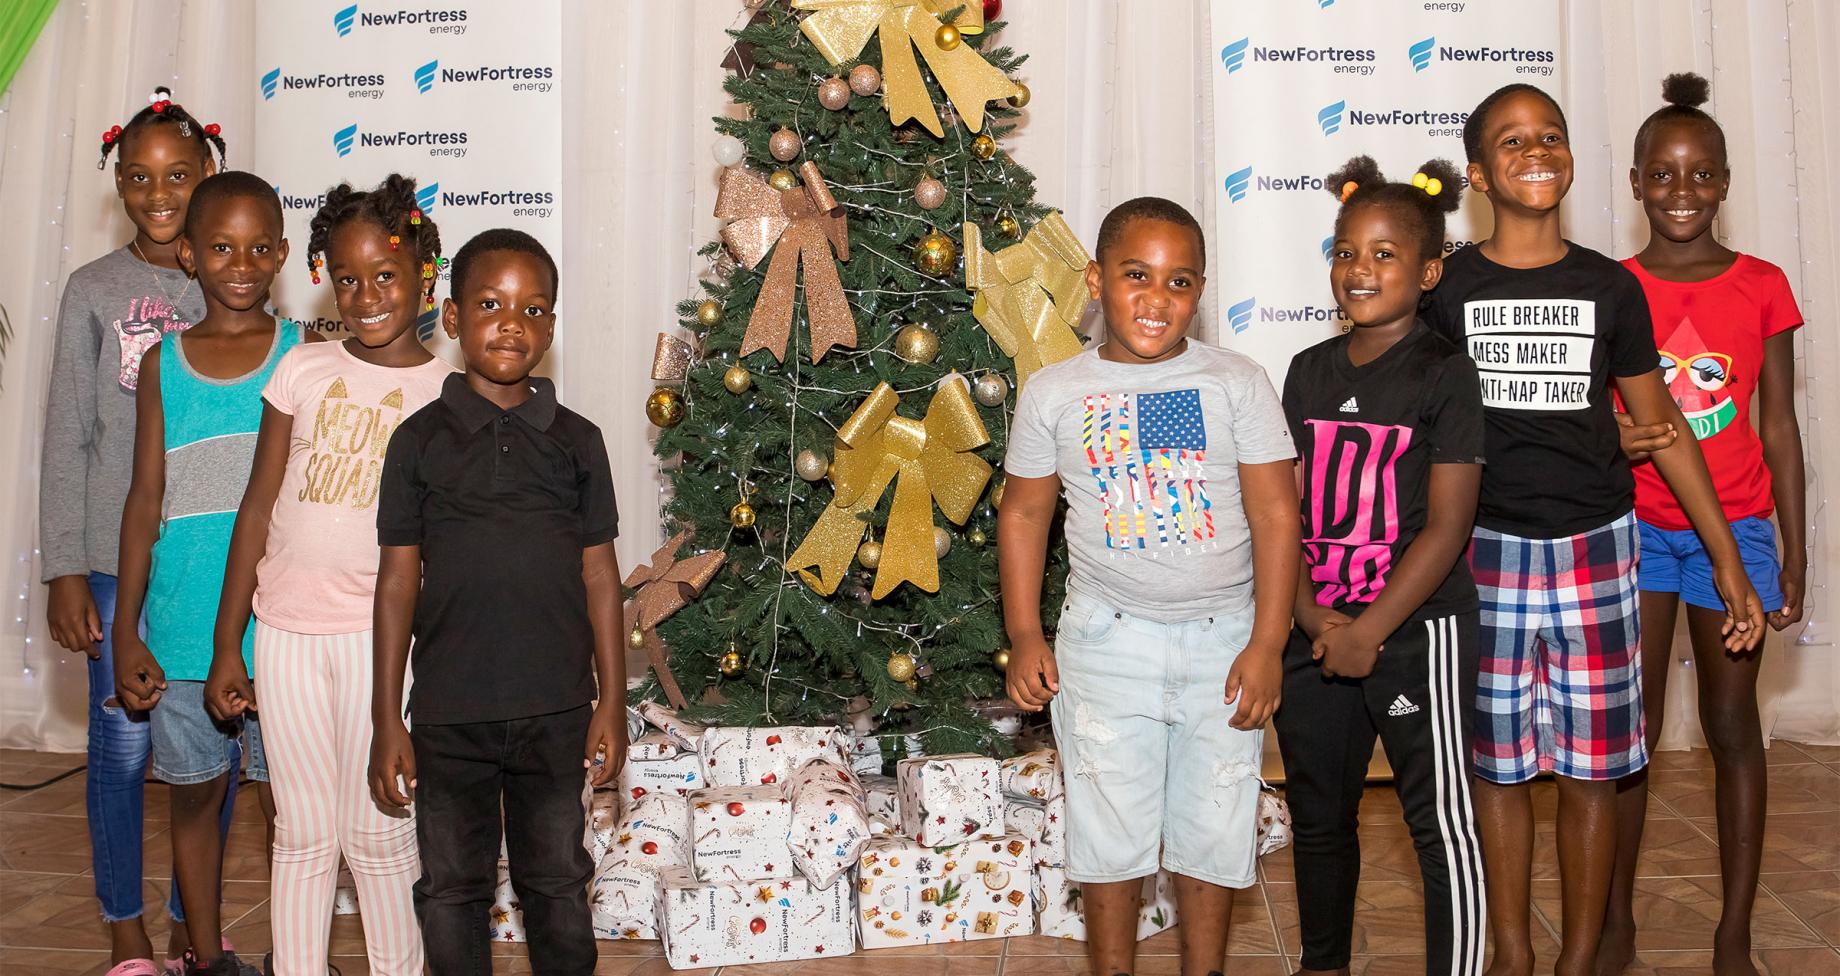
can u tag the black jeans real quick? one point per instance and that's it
(531, 767)
(1418, 701)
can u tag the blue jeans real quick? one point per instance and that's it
(119, 743)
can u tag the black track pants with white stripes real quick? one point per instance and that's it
(1418, 702)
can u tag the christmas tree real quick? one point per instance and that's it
(834, 448)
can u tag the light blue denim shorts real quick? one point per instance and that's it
(1154, 774)
(189, 746)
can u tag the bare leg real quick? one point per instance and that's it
(1206, 911)
(198, 862)
(1728, 716)
(1587, 857)
(1111, 924)
(1617, 949)
(1504, 815)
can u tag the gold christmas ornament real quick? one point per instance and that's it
(1030, 295)
(834, 93)
(1007, 226)
(996, 492)
(984, 147)
(869, 554)
(636, 639)
(990, 390)
(1021, 98)
(665, 408)
(916, 343)
(901, 666)
(840, 28)
(664, 586)
(929, 193)
(810, 465)
(929, 461)
(804, 228)
(785, 144)
(865, 80)
(708, 313)
(913, 685)
(976, 537)
(731, 663)
(942, 542)
(1001, 659)
(947, 37)
(737, 379)
(935, 254)
(782, 180)
(741, 516)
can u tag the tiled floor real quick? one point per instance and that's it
(48, 921)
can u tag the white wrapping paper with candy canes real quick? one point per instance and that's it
(911, 894)
(603, 818)
(507, 915)
(729, 923)
(748, 756)
(651, 837)
(665, 720)
(882, 798)
(1034, 776)
(950, 799)
(679, 774)
(1061, 914)
(1274, 822)
(1044, 825)
(738, 833)
(829, 825)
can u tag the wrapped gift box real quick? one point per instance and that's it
(865, 754)
(749, 756)
(1044, 825)
(507, 916)
(950, 799)
(1274, 823)
(1032, 776)
(729, 923)
(679, 775)
(664, 719)
(651, 838)
(1062, 917)
(603, 817)
(829, 825)
(911, 894)
(738, 833)
(652, 747)
(882, 798)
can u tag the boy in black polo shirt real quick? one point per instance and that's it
(497, 521)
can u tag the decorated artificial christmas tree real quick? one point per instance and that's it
(834, 417)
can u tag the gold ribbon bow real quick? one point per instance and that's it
(806, 223)
(1031, 294)
(671, 359)
(929, 460)
(665, 586)
(840, 28)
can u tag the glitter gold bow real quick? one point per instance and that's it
(664, 587)
(806, 223)
(671, 359)
(929, 460)
(840, 28)
(1030, 295)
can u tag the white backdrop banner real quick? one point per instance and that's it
(464, 96)
(1299, 88)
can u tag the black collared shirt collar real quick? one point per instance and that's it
(475, 411)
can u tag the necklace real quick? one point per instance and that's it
(171, 301)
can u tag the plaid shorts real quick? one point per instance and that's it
(1560, 686)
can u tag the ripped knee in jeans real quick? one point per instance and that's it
(1229, 773)
(1096, 739)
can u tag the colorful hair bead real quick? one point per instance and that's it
(159, 107)
(394, 241)
(415, 217)
(1348, 189)
(212, 129)
(427, 270)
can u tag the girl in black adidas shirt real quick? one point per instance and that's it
(1387, 420)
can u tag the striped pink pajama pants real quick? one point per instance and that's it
(315, 696)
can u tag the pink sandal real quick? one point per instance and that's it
(135, 967)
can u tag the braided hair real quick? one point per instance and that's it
(164, 111)
(1435, 190)
(1684, 93)
(1479, 117)
(391, 205)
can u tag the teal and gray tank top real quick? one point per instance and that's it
(210, 446)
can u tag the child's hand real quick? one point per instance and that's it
(1743, 627)
(1032, 678)
(1794, 573)
(139, 679)
(1641, 441)
(71, 615)
(228, 691)
(392, 756)
(1315, 619)
(1345, 650)
(605, 751)
(1255, 681)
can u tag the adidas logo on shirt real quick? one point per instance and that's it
(1399, 706)
(1349, 406)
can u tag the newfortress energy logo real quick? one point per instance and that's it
(1242, 314)
(299, 201)
(452, 145)
(515, 201)
(1339, 115)
(354, 86)
(535, 78)
(433, 20)
(1340, 60)
(1541, 62)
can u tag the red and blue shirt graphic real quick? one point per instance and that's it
(1146, 452)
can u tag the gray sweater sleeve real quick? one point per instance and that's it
(70, 422)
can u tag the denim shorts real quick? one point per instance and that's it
(189, 746)
(1676, 562)
(1155, 776)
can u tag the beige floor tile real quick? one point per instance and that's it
(1682, 913)
(37, 842)
(1076, 966)
(1771, 962)
(55, 962)
(1794, 841)
(1386, 855)
(1814, 897)
(877, 962)
(1389, 919)
(1803, 788)
(1826, 754)
(64, 798)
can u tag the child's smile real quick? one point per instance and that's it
(1527, 160)
(1148, 287)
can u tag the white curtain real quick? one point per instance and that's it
(1121, 108)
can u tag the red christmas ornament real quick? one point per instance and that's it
(773, 740)
(769, 779)
(637, 791)
(735, 809)
(757, 926)
(649, 847)
(993, 9)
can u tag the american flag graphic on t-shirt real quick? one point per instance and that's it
(1146, 452)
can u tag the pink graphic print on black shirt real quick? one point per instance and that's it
(1351, 507)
